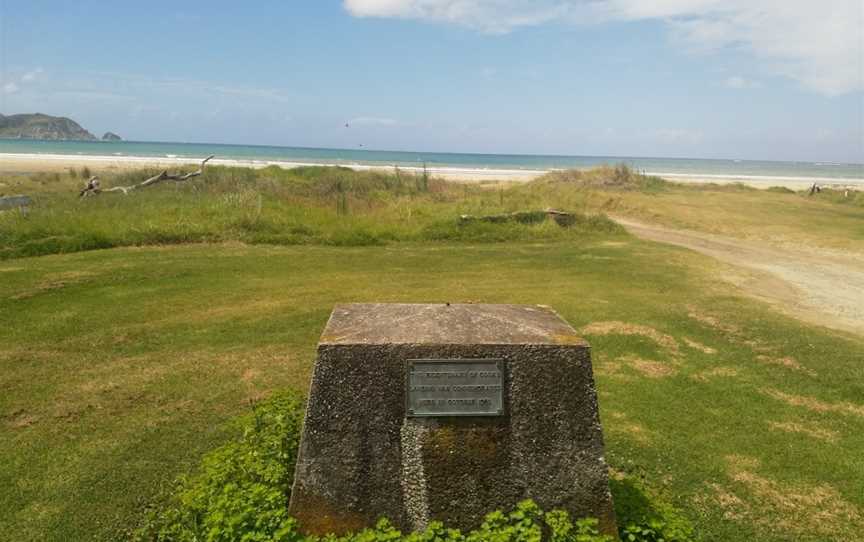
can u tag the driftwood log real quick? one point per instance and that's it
(93, 186)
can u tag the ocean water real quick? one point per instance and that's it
(684, 166)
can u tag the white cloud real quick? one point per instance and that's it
(494, 16)
(15, 86)
(32, 75)
(818, 44)
(737, 82)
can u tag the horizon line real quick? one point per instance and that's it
(460, 153)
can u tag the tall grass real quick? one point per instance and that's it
(619, 176)
(309, 205)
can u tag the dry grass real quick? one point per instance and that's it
(814, 404)
(786, 361)
(790, 219)
(624, 328)
(622, 425)
(809, 429)
(649, 368)
(713, 322)
(827, 513)
(699, 346)
(715, 372)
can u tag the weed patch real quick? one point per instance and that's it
(242, 489)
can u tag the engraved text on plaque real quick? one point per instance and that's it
(455, 387)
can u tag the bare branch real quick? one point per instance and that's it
(124, 189)
(93, 187)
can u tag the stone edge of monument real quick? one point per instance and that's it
(446, 323)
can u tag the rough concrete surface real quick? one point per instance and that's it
(362, 458)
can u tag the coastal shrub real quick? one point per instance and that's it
(241, 493)
(617, 177)
(521, 226)
(597, 223)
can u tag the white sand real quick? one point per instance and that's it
(34, 163)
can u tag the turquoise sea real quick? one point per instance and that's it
(684, 166)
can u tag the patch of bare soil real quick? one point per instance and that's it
(815, 285)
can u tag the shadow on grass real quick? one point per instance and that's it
(637, 509)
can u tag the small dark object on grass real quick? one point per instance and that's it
(562, 218)
(565, 220)
(12, 202)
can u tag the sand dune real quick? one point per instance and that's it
(34, 163)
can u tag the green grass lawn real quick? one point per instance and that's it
(122, 367)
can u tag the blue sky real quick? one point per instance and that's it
(756, 79)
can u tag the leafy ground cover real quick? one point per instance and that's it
(242, 490)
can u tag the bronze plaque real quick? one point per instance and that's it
(455, 387)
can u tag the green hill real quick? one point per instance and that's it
(39, 126)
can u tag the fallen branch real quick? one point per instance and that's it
(93, 186)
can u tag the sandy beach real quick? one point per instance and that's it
(12, 163)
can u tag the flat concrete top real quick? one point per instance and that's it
(399, 323)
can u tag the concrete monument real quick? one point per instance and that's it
(447, 412)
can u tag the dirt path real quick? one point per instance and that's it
(816, 285)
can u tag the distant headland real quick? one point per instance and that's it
(46, 127)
